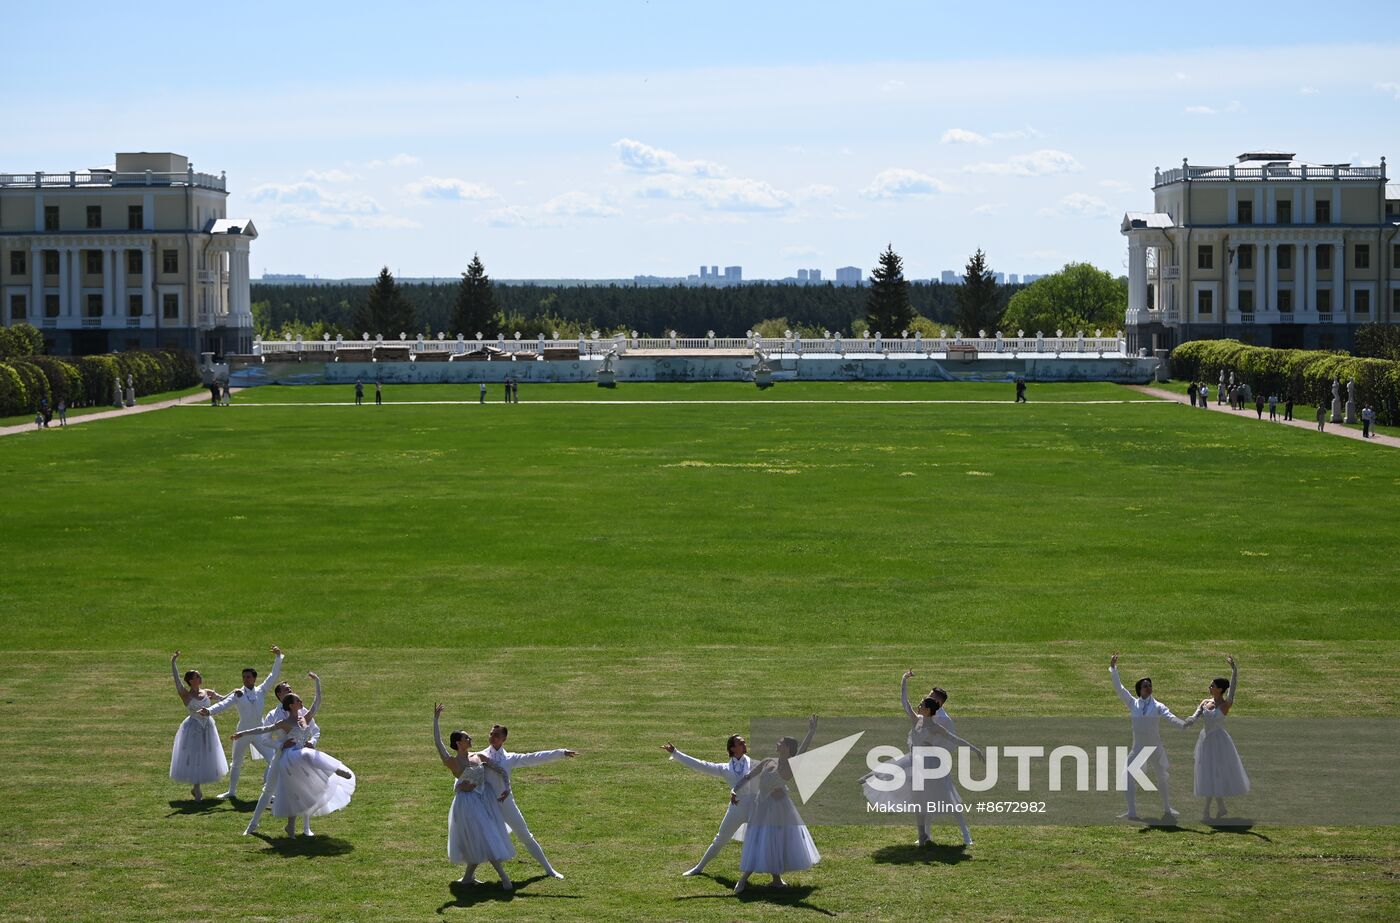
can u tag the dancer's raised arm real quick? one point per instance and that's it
(538, 757)
(446, 754)
(1123, 694)
(1234, 684)
(718, 770)
(316, 702)
(904, 695)
(265, 729)
(811, 732)
(180, 688)
(276, 671)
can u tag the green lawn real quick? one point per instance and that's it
(612, 577)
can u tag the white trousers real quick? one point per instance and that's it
(734, 818)
(241, 748)
(1156, 764)
(265, 798)
(511, 815)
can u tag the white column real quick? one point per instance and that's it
(109, 282)
(1270, 213)
(1301, 270)
(1339, 252)
(148, 296)
(73, 257)
(1232, 212)
(1309, 205)
(1137, 275)
(1271, 264)
(1297, 205)
(36, 280)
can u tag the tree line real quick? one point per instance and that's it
(890, 304)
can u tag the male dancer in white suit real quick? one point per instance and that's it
(249, 699)
(498, 784)
(279, 743)
(1147, 715)
(732, 772)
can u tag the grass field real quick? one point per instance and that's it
(611, 576)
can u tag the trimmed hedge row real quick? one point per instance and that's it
(1305, 374)
(91, 380)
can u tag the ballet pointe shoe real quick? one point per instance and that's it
(741, 884)
(507, 884)
(555, 873)
(344, 773)
(291, 827)
(778, 882)
(197, 793)
(692, 872)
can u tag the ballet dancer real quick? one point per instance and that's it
(732, 772)
(1219, 772)
(197, 756)
(249, 699)
(279, 742)
(777, 841)
(1147, 714)
(476, 832)
(499, 787)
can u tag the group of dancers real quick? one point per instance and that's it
(300, 780)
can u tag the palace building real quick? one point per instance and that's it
(1268, 250)
(138, 255)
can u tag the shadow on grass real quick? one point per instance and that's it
(929, 853)
(190, 806)
(791, 896)
(1240, 826)
(306, 846)
(489, 891)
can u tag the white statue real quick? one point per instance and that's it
(1336, 390)
(130, 391)
(117, 391)
(608, 358)
(1351, 391)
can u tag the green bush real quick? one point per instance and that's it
(1305, 375)
(14, 397)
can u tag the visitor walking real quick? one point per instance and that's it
(507, 389)
(1259, 406)
(1273, 408)
(1205, 395)
(45, 411)
(1368, 419)
(359, 391)
(1321, 417)
(1191, 393)
(483, 392)
(1288, 408)
(62, 412)
(1020, 390)
(378, 394)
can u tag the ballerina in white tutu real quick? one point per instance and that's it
(476, 832)
(1219, 772)
(305, 781)
(926, 731)
(776, 840)
(198, 755)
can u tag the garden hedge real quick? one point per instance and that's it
(90, 380)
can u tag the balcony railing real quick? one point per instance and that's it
(1284, 171)
(76, 178)
(1247, 317)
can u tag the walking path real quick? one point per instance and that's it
(74, 419)
(1334, 429)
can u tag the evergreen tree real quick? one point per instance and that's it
(475, 309)
(887, 309)
(386, 310)
(979, 301)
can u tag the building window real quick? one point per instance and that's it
(94, 262)
(94, 305)
(1324, 301)
(19, 263)
(1205, 302)
(1395, 301)
(1324, 257)
(94, 216)
(1285, 256)
(1322, 212)
(1285, 301)
(1246, 301)
(51, 305)
(135, 218)
(170, 261)
(51, 217)
(1205, 257)
(135, 307)
(170, 306)
(1363, 256)
(1245, 255)
(1395, 256)
(135, 261)
(50, 262)
(18, 308)
(1361, 301)
(1244, 212)
(1283, 212)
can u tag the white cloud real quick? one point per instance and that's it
(815, 192)
(962, 136)
(1037, 163)
(1389, 87)
(643, 158)
(1308, 91)
(448, 189)
(1078, 205)
(398, 160)
(308, 203)
(891, 86)
(901, 183)
(564, 209)
(332, 175)
(1234, 107)
(723, 194)
(1180, 75)
(990, 208)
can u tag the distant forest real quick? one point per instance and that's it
(652, 311)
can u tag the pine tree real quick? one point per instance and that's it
(979, 301)
(475, 309)
(887, 308)
(386, 311)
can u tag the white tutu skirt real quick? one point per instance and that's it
(776, 840)
(1219, 772)
(942, 791)
(198, 755)
(306, 784)
(475, 831)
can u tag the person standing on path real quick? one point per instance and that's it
(483, 392)
(1191, 393)
(506, 389)
(1288, 408)
(62, 412)
(1273, 408)
(1368, 419)
(1205, 396)
(359, 391)
(1321, 417)
(1259, 406)
(378, 394)
(515, 390)
(1020, 390)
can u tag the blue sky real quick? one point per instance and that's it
(646, 137)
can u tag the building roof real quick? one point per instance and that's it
(1147, 221)
(240, 226)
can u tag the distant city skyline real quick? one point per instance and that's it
(585, 142)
